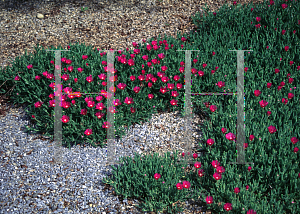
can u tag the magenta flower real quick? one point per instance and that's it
(179, 186)
(284, 6)
(217, 176)
(230, 136)
(228, 206)
(220, 169)
(236, 190)
(186, 184)
(251, 211)
(294, 140)
(88, 132)
(223, 130)
(157, 176)
(197, 165)
(209, 199)
(201, 172)
(65, 119)
(210, 142)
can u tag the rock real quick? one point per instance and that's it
(40, 16)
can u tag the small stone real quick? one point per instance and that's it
(40, 16)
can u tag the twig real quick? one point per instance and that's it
(12, 32)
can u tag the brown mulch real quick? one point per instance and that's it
(16, 39)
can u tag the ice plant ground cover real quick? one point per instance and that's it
(153, 75)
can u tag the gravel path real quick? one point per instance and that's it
(30, 182)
